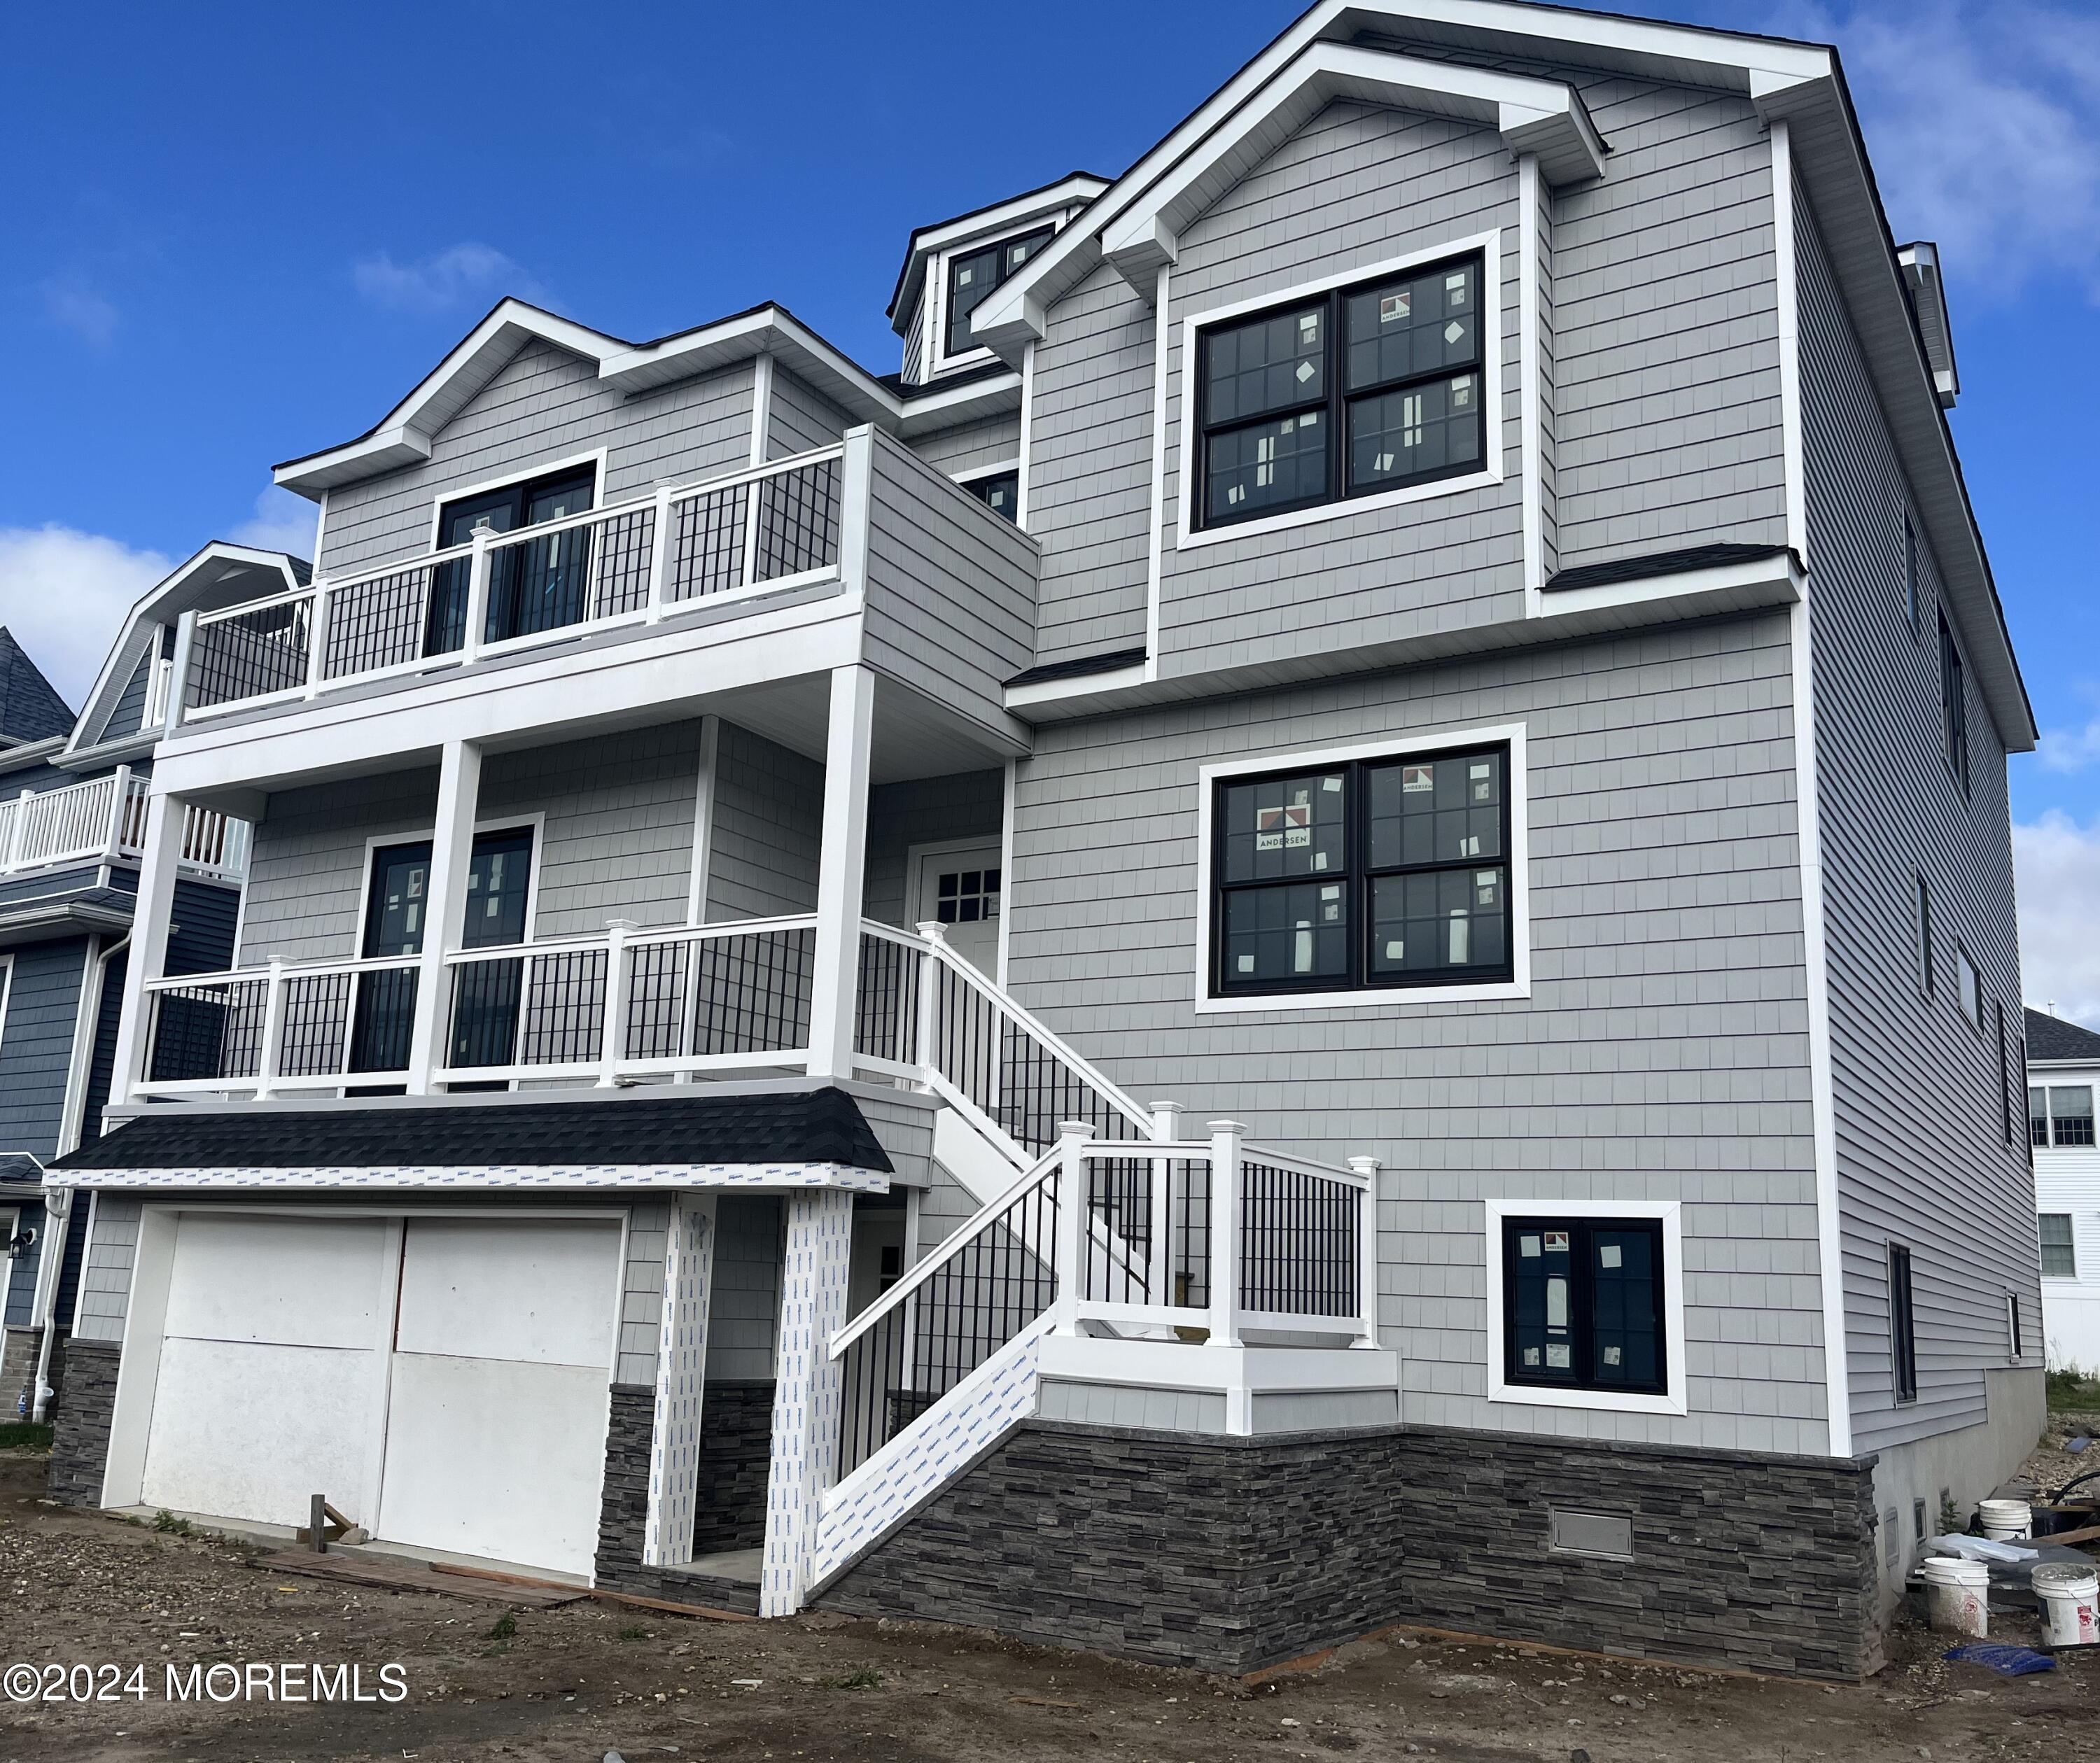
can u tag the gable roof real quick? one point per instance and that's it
(2051, 1038)
(1078, 188)
(403, 436)
(30, 707)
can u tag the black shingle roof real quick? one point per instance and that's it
(1662, 563)
(20, 1166)
(806, 1126)
(30, 707)
(1079, 667)
(2052, 1038)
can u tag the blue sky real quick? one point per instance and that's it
(246, 230)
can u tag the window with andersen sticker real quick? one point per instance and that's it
(1363, 389)
(1371, 874)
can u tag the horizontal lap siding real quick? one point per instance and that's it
(972, 446)
(618, 841)
(129, 712)
(1090, 467)
(950, 601)
(36, 1042)
(545, 405)
(1666, 331)
(1359, 184)
(1922, 1157)
(769, 818)
(800, 419)
(1663, 1053)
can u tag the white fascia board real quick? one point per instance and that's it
(1534, 116)
(767, 331)
(973, 402)
(510, 1179)
(1013, 316)
(32, 752)
(928, 242)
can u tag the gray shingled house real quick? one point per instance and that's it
(1314, 930)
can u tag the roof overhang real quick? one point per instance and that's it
(1539, 117)
(1074, 190)
(404, 437)
(222, 574)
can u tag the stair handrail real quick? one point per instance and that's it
(946, 1250)
(932, 937)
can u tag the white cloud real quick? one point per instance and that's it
(63, 594)
(2058, 862)
(1981, 116)
(72, 305)
(282, 522)
(463, 275)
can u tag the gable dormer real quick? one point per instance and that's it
(954, 265)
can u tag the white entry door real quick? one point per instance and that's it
(496, 1418)
(958, 884)
(272, 1367)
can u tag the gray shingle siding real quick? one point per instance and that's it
(972, 446)
(924, 811)
(36, 1043)
(768, 821)
(545, 405)
(800, 418)
(1922, 1155)
(105, 1275)
(130, 709)
(1662, 1055)
(306, 868)
(744, 1308)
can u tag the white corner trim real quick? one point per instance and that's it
(1530, 440)
(1027, 416)
(1007, 787)
(1517, 860)
(1155, 508)
(1669, 1212)
(1787, 274)
(595, 458)
(1188, 536)
(761, 408)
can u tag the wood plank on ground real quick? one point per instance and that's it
(392, 1573)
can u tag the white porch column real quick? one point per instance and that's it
(682, 1362)
(150, 919)
(806, 1392)
(445, 912)
(841, 867)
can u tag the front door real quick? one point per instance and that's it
(959, 885)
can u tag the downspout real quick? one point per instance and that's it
(41, 1401)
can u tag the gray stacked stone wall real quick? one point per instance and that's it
(1233, 1554)
(18, 1367)
(80, 1419)
(736, 1454)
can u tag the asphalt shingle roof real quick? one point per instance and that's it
(806, 1126)
(2052, 1038)
(30, 707)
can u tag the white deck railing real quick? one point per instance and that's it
(104, 819)
(759, 531)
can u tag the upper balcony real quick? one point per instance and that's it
(856, 552)
(103, 820)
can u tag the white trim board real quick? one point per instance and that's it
(1668, 1212)
(1517, 860)
(595, 458)
(1188, 536)
(513, 1177)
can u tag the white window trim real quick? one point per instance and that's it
(595, 458)
(7, 992)
(1187, 534)
(1517, 860)
(2076, 1277)
(917, 857)
(1669, 1213)
(938, 360)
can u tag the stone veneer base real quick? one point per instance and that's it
(80, 1419)
(1229, 1555)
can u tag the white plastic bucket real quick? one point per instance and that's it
(2069, 1599)
(1957, 1595)
(2007, 1520)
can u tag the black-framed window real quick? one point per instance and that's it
(1000, 492)
(1365, 388)
(973, 275)
(1924, 936)
(1902, 1326)
(1914, 604)
(2004, 1077)
(1969, 989)
(2059, 1246)
(2015, 1335)
(1954, 706)
(534, 586)
(1583, 1304)
(2061, 1116)
(1368, 875)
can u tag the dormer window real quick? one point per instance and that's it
(972, 274)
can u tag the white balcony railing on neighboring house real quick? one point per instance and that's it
(763, 530)
(104, 820)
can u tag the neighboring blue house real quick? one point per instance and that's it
(73, 806)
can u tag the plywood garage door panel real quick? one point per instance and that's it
(271, 1367)
(496, 1413)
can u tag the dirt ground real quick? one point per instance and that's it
(588, 1678)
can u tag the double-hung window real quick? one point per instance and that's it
(2061, 1116)
(1365, 388)
(1582, 1304)
(973, 275)
(1368, 875)
(2059, 1246)
(1954, 706)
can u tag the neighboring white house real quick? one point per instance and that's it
(2064, 1071)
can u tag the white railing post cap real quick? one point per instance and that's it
(1365, 1166)
(932, 930)
(1235, 1127)
(1168, 1108)
(623, 925)
(1075, 1129)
